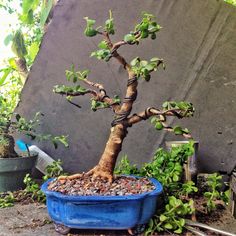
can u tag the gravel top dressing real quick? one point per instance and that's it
(84, 186)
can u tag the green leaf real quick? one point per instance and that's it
(18, 44)
(154, 59)
(12, 63)
(153, 120)
(182, 222)
(5, 75)
(8, 39)
(129, 38)
(144, 34)
(103, 45)
(168, 226)
(90, 22)
(178, 231)
(143, 63)
(165, 105)
(150, 67)
(33, 50)
(175, 178)
(109, 24)
(135, 61)
(159, 125)
(27, 18)
(178, 130)
(28, 5)
(163, 218)
(89, 30)
(172, 201)
(46, 8)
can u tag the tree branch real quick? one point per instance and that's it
(150, 111)
(113, 49)
(75, 94)
(100, 96)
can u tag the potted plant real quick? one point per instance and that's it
(79, 200)
(14, 166)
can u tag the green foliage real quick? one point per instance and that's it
(89, 30)
(233, 2)
(10, 87)
(187, 189)
(214, 182)
(180, 110)
(6, 200)
(109, 24)
(68, 89)
(95, 105)
(33, 189)
(74, 76)
(102, 54)
(143, 68)
(172, 218)
(147, 27)
(116, 99)
(53, 170)
(45, 10)
(98, 105)
(18, 44)
(167, 167)
(25, 40)
(28, 128)
(124, 167)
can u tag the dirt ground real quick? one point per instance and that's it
(32, 219)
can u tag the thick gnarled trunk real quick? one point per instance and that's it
(113, 147)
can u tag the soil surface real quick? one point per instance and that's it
(84, 186)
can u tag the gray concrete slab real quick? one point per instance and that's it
(32, 219)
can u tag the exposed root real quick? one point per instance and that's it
(70, 177)
(96, 173)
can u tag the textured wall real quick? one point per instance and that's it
(198, 45)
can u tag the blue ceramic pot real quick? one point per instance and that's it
(102, 212)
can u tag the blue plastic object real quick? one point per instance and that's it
(21, 145)
(102, 212)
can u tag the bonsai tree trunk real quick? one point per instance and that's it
(108, 159)
(7, 145)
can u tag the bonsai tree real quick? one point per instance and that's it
(10, 125)
(137, 69)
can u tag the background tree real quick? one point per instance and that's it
(137, 69)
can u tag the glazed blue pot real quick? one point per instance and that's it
(102, 212)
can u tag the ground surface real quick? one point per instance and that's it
(32, 219)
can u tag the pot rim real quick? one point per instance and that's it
(34, 155)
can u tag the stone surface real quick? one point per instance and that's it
(26, 220)
(197, 43)
(31, 219)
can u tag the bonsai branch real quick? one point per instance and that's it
(162, 114)
(113, 49)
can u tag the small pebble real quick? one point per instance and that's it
(84, 186)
